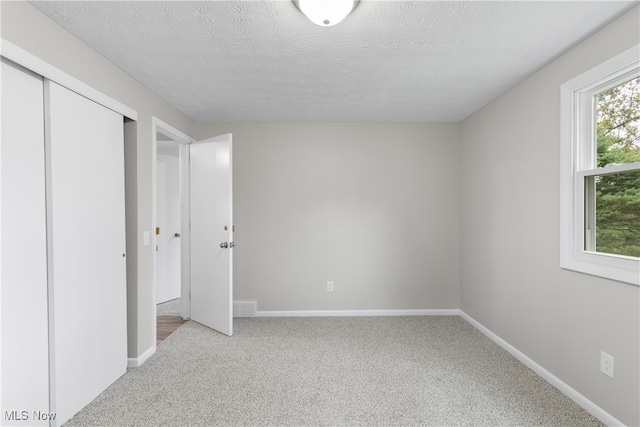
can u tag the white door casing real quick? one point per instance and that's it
(211, 200)
(162, 132)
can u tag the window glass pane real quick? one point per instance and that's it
(616, 200)
(618, 124)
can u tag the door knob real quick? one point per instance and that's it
(176, 235)
(224, 245)
(231, 244)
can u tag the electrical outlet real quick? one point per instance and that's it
(606, 364)
(329, 286)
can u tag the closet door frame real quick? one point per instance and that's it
(48, 71)
(37, 66)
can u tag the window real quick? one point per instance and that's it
(600, 170)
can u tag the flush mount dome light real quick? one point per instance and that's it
(326, 12)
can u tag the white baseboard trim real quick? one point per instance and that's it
(567, 390)
(134, 362)
(357, 313)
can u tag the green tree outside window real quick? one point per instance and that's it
(618, 194)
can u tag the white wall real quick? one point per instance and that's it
(372, 207)
(29, 29)
(511, 281)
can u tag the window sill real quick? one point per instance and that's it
(613, 267)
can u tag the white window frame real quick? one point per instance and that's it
(577, 161)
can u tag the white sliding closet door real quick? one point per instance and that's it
(25, 347)
(87, 226)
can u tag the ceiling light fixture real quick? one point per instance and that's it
(326, 12)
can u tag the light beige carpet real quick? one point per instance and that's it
(380, 371)
(169, 307)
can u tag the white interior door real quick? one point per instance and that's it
(25, 352)
(87, 223)
(212, 233)
(169, 221)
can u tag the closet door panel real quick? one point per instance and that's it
(89, 281)
(25, 353)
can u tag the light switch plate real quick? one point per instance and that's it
(146, 238)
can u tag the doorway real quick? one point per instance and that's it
(171, 236)
(168, 223)
(168, 233)
(209, 299)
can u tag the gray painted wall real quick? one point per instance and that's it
(511, 281)
(372, 207)
(375, 208)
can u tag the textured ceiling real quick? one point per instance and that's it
(389, 61)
